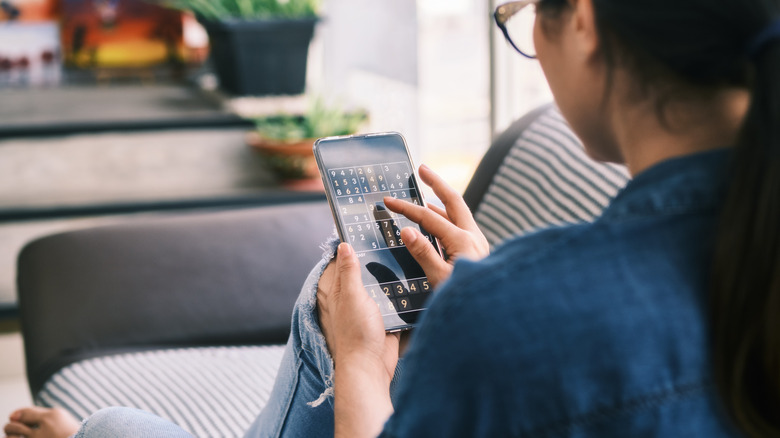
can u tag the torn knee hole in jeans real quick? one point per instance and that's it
(324, 396)
(311, 326)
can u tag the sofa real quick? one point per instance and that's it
(185, 316)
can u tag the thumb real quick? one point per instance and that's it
(348, 270)
(422, 250)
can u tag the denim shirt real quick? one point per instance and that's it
(590, 330)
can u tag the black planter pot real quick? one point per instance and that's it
(261, 57)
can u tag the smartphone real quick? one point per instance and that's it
(358, 172)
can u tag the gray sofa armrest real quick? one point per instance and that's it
(494, 157)
(218, 278)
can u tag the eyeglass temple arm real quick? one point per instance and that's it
(503, 12)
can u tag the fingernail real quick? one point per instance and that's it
(15, 416)
(345, 249)
(424, 167)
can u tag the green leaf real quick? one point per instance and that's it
(221, 9)
(318, 121)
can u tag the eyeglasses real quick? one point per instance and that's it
(516, 21)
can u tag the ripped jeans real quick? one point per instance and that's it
(300, 404)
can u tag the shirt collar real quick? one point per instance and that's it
(682, 184)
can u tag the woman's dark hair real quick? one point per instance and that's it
(674, 47)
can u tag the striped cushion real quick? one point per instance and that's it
(546, 179)
(210, 392)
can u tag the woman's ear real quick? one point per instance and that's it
(583, 22)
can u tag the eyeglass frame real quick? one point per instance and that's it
(504, 12)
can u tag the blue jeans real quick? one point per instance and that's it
(300, 405)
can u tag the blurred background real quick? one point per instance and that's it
(112, 110)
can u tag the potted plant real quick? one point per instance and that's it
(259, 47)
(286, 140)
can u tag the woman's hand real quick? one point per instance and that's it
(349, 318)
(364, 356)
(454, 227)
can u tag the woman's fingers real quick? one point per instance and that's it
(456, 209)
(454, 227)
(17, 429)
(455, 239)
(430, 220)
(436, 268)
(41, 422)
(31, 415)
(440, 211)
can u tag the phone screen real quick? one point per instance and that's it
(358, 172)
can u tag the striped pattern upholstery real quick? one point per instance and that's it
(546, 179)
(210, 391)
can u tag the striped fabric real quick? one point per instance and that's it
(546, 179)
(210, 392)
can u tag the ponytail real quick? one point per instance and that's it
(745, 288)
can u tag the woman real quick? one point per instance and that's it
(657, 319)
